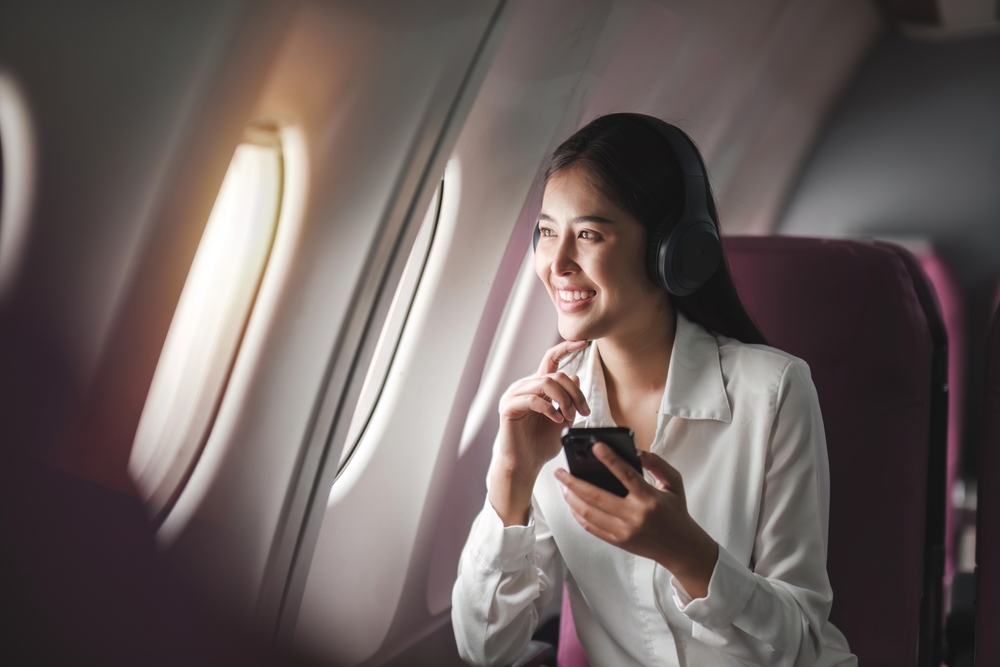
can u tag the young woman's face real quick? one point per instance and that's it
(591, 258)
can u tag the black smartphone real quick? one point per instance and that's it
(584, 465)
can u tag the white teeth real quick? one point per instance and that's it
(575, 295)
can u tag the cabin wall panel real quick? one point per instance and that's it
(112, 89)
(732, 75)
(370, 90)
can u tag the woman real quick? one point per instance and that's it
(717, 555)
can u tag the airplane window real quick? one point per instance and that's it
(208, 325)
(17, 176)
(1, 174)
(385, 348)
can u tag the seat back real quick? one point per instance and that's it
(865, 320)
(988, 510)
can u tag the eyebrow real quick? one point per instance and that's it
(583, 218)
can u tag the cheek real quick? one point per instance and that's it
(638, 274)
(625, 280)
(542, 270)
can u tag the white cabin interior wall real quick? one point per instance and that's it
(114, 92)
(750, 82)
(136, 110)
(365, 582)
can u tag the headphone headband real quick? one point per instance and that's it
(678, 140)
(695, 186)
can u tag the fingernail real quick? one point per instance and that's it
(560, 473)
(600, 448)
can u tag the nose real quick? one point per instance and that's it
(564, 256)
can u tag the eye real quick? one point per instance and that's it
(547, 232)
(589, 235)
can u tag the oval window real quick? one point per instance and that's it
(392, 329)
(17, 177)
(208, 324)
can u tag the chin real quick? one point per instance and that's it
(574, 331)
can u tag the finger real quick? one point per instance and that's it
(587, 512)
(665, 474)
(591, 494)
(519, 406)
(595, 530)
(550, 389)
(550, 361)
(625, 473)
(556, 391)
(557, 387)
(572, 388)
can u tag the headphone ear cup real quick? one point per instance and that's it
(698, 254)
(656, 259)
(534, 239)
(690, 255)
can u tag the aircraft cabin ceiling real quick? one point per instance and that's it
(387, 155)
(944, 17)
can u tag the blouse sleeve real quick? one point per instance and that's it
(775, 613)
(504, 582)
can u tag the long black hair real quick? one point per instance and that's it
(637, 170)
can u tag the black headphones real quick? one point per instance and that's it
(683, 260)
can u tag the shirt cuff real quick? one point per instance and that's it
(729, 591)
(505, 549)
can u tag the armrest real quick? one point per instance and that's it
(536, 654)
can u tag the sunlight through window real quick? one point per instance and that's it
(208, 325)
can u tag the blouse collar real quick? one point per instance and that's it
(695, 387)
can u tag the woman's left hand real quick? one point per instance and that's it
(651, 521)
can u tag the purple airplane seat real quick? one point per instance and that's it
(953, 314)
(864, 317)
(952, 308)
(570, 653)
(988, 511)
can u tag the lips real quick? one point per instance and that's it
(573, 300)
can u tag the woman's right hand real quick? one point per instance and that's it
(530, 424)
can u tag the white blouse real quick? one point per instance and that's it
(742, 424)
